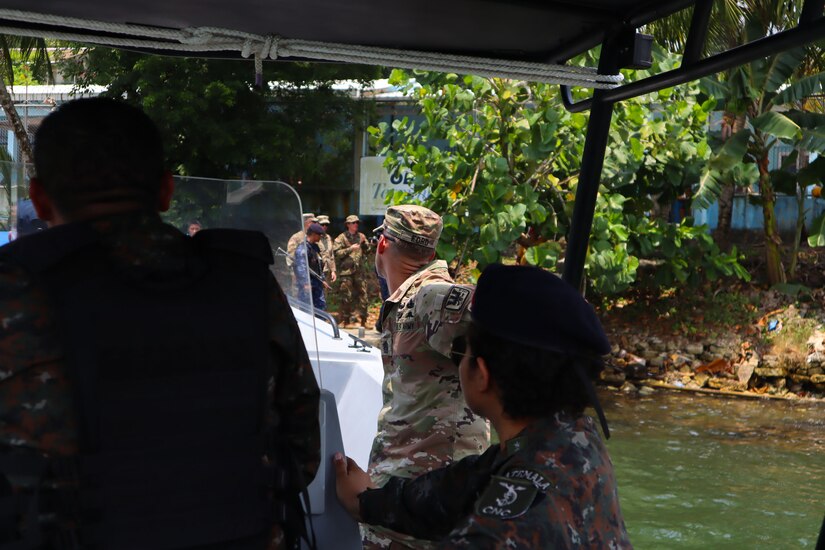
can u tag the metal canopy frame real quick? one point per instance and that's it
(811, 27)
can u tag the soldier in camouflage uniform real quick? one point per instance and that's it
(550, 483)
(327, 255)
(350, 248)
(111, 197)
(298, 237)
(425, 423)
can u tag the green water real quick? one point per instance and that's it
(706, 472)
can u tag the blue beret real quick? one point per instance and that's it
(531, 306)
(316, 228)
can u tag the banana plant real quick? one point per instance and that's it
(770, 94)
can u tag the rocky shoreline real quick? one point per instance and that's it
(729, 366)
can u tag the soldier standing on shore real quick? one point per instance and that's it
(325, 244)
(299, 237)
(350, 247)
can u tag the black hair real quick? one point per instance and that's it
(533, 382)
(97, 150)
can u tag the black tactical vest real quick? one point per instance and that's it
(169, 377)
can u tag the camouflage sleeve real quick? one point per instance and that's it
(444, 310)
(291, 245)
(329, 255)
(429, 506)
(340, 247)
(36, 407)
(296, 393)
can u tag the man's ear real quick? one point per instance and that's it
(382, 245)
(484, 381)
(41, 202)
(167, 189)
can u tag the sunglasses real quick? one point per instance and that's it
(459, 351)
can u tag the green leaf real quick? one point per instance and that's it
(637, 148)
(817, 235)
(446, 251)
(777, 124)
(778, 70)
(813, 173)
(783, 181)
(813, 139)
(535, 255)
(801, 89)
(791, 289)
(714, 176)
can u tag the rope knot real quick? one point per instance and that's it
(195, 35)
(273, 51)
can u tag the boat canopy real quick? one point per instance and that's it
(523, 39)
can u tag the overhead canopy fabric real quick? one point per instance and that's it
(509, 30)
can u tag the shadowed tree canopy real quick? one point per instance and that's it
(217, 123)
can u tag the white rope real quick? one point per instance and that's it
(213, 39)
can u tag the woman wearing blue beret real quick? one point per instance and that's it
(526, 364)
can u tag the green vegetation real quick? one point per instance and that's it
(506, 156)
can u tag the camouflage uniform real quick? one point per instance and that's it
(352, 276)
(552, 487)
(425, 423)
(327, 254)
(37, 409)
(292, 245)
(297, 238)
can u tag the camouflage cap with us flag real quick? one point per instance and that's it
(413, 224)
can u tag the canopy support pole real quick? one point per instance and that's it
(598, 130)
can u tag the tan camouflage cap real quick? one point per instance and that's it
(323, 218)
(413, 224)
(352, 218)
(309, 216)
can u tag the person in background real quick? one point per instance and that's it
(299, 236)
(186, 435)
(309, 268)
(350, 248)
(550, 482)
(425, 422)
(327, 255)
(194, 227)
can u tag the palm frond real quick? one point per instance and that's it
(31, 49)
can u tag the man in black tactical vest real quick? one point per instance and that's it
(122, 423)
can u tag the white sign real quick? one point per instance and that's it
(377, 183)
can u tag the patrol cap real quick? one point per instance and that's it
(413, 224)
(308, 216)
(316, 228)
(352, 218)
(323, 218)
(531, 306)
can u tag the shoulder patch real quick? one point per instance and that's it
(456, 298)
(506, 498)
(533, 476)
